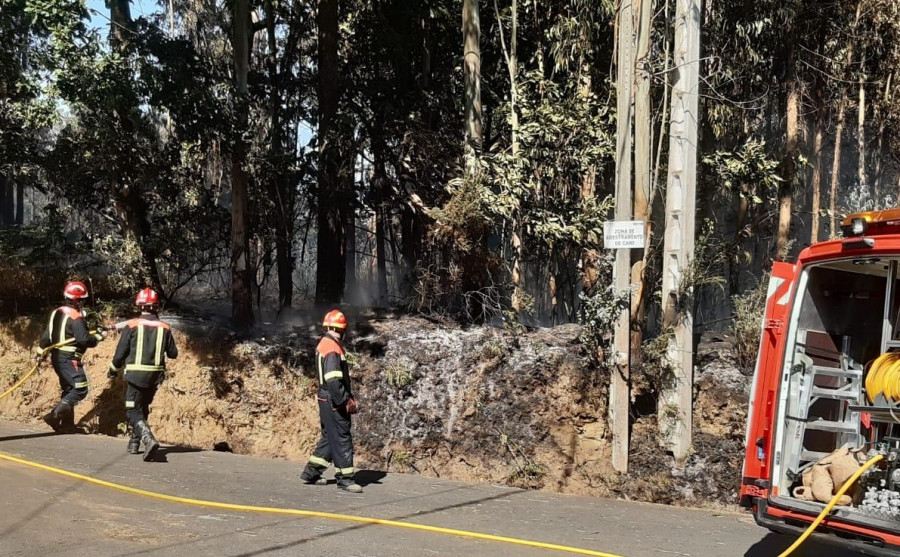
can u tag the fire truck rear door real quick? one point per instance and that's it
(764, 390)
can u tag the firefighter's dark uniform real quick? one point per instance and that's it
(336, 443)
(143, 347)
(67, 324)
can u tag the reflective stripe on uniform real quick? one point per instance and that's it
(159, 346)
(62, 330)
(319, 461)
(81, 384)
(345, 471)
(140, 346)
(326, 347)
(129, 404)
(68, 348)
(50, 326)
(333, 375)
(139, 367)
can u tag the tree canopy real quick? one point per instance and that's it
(294, 151)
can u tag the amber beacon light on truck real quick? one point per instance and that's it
(858, 228)
(825, 397)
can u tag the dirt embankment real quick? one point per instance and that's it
(474, 405)
(248, 397)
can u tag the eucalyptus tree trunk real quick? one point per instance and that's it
(511, 54)
(411, 213)
(330, 255)
(379, 183)
(836, 160)
(792, 151)
(20, 203)
(241, 277)
(861, 126)
(279, 186)
(882, 129)
(818, 160)
(7, 202)
(471, 27)
(352, 293)
(120, 23)
(590, 258)
(839, 128)
(642, 163)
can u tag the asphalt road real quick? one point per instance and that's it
(43, 514)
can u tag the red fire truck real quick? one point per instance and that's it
(828, 317)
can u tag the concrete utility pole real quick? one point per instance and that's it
(675, 404)
(619, 392)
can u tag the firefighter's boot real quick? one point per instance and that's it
(67, 418)
(312, 475)
(134, 444)
(151, 445)
(54, 417)
(349, 486)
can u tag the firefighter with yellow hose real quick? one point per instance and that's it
(67, 328)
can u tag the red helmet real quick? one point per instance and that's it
(75, 290)
(334, 320)
(146, 297)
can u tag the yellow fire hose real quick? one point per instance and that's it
(831, 505)
(883, 378)
(313, 514)
(37, 364)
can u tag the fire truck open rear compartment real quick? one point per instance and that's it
(826, 392)
(844, 316)
(836, 326)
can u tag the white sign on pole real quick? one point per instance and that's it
(623, 234)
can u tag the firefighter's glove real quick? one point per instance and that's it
(351, 406)
(38, 353)
(112, 373)
(100, 334)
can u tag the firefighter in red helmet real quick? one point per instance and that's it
(67, 325)
(336, 405)
(145, 344)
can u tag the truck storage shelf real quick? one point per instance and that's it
(837, 372)
(837, 427)
(809, 456)
(837, 394)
